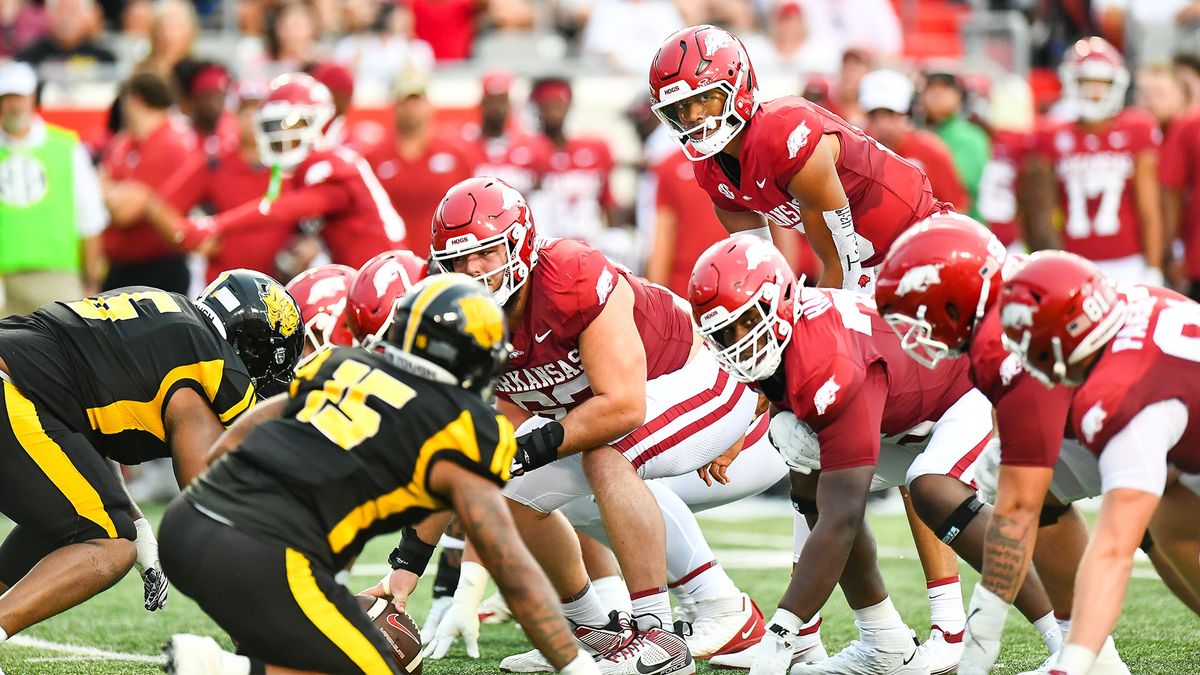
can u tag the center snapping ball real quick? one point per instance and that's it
(398, 629)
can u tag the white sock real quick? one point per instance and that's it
(1064, 625)
(3, 634)
(946, 605)
(614, 594)
(584, 608)
(707, 582)
(880, 626)
(1052, 635)
(655, 602)
(800, 532)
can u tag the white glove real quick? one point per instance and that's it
(462, 617)
(582, 664)
(985, 624)
(987, 471)
(796, 442)
(436, 611)
(154, 582)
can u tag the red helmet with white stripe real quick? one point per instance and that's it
(743, 297)
(696, 70)
(480, 214)
(321, 294)
(377, 289)
(1056, 311)
(938, 279)
(292, 119)
(1087, 65)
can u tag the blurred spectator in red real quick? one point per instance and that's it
(205, 86)
(1003, 185)
(288, 42)
(818, 89)
(795, 47)
(1161, 93)
(340, 82)
(503, 150)
(1179, 175)
(447, 25)
(626, 33)
(685, 224)
(416, 166)
(855, 64)
(21, 23)
(172, 36)
(149, 151)
(1187, 68)
(379, 44)
(70, 39)
(886, 96)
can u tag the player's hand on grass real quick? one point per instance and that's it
(154, 582)
(436, 612)
(462, 616)
(396, 586)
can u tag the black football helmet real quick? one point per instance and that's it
(452, 322)
(262, 322)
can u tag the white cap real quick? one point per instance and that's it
(17, 77)
(887, 89)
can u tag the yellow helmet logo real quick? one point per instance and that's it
(281, 311)
(483, 320)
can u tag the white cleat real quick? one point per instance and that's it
(808, 649)
(591, 639)
(862, 659)
(1108, 662)
(193, 655)
(943, 651)
(725, 626)
(531, 661)
(494, 610)
(649, 652)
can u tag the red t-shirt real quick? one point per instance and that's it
(1179, 169)
(696, 225)
(848, 377)
(997, 203)
(152, 161)
(416, 185)
(930, 154)
(1095, 177)
(887, 194)
(447, 25)
(569, 287)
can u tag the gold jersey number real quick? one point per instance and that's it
(339, 409)
(123, 306)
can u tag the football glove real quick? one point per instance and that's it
(537, 448)
(462, 616)
(154, 582)
(437, 611)
(986, 615)
(796, 442)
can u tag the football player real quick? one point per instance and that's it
(829, 361)
(129, 375)
(364, 443)
(937, 288)
(325, 181)
(321, 294)
(788, 160)
(1132, 358)
(376, 288)
(1104, 166)
(632, 393)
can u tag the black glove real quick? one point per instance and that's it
(537, 448)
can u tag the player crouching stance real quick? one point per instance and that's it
(1135, 360)
(365, 443)
(828, 359)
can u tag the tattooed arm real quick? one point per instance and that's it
(1011, 534)
(484, 515)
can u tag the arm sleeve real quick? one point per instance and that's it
(291, 206)
(1136, 456)
(188, 186)
(1031, 420)
(90, 215)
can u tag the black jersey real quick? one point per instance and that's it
(107, 366)
(350, 456)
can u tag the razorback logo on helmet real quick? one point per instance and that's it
(511, 197)
(1017, 315)
(1092, 422)
(758, 253)
(797, 139)
(918, 279)
(329, 287)
(826, 395)
(715, 40)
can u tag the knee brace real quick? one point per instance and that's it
(1052, 513)
(805, 507)
(959, 519)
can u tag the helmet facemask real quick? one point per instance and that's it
(916, 338)
(287, 133)
(756, 354)
(716, 131)
(513, 273)
(1096, 74)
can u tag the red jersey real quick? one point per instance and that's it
(415, 185)
(569, 287)
(1154, 357)
(1179, 170)
(1095, 178)
(997, 203)
(339, 187)
(848, 377)
(152, 162)
(887, 194)
(696, 226)
(447, 25)
(573, 195)
(514, 158)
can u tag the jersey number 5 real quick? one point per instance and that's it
(339, 410)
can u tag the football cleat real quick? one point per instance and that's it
(942, 651)
(859, 658)
(647, 649)
(725, 626)
(592, 639)
(193, 655)
(495, 610)
(1108, 662)
(806, 648)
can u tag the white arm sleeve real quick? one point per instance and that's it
(1136, 457)
(90, 214)
(845, 239)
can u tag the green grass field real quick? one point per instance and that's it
(1155, 635)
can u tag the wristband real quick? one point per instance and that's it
(412, 554)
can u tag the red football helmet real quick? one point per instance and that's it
(479, 214)
(744, 282)
(1094, 60)
(321, 294)
(376, 290)
(292, 119)
(689, 68)
(938, 279)
(1056, 311)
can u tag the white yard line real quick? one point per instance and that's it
(79, 652)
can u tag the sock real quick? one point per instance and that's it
(655, 602)
(880, 626)
(1064, 624)
(613, 594)
(707, 582)
(946, 605)
(800, 532)
(584, 608)
(3, 634)
(1052, 635)
(787, 620)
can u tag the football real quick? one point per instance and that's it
(398, 629)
